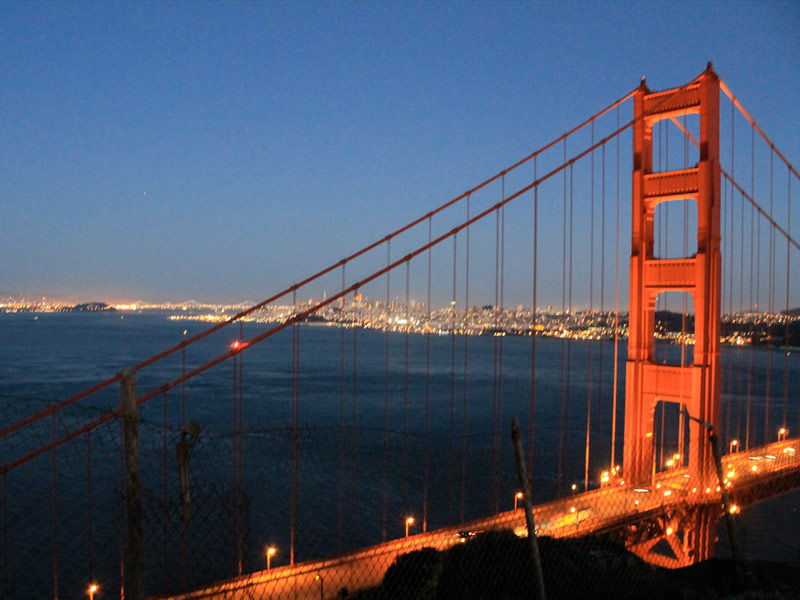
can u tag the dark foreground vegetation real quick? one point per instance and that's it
(498, 566)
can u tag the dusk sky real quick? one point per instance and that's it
(221, 151)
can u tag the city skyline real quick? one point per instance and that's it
(222, 151)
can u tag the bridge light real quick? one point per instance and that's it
(669, 530)
(754, 468)
(270, 553)
(518, 497)
(409, 521)
(92, 589)
(734, 446)
(734, 509)
(782, 434)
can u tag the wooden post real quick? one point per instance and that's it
(133, 484)
(526, 498)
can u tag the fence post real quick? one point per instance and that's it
(133, 484)
(525, 487)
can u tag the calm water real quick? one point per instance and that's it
(424, 433)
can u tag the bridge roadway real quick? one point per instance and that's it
(600, 510)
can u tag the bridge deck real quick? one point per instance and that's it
(600, 510)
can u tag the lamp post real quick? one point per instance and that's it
(92, 589)
(270, 553)
(321, 580)
(517, 498)
(409, 521)
(574, 487)
(734, 446)
(782, 434)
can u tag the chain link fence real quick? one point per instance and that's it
(373, 513)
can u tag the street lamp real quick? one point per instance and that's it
(577, 514)
(574, 487)
(734, 446)
(517, 498)
(409, 521)
(92, 589)
(321, 584)
(782, 434)
(270, 553)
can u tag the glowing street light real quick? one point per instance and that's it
(321, 580)
(574, 487)
(734, 446)
(270, 553)
(782, 434)
(92, 589)
(409, 521)
(517, 498)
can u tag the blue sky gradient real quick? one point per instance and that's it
(220, 151)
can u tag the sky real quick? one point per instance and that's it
(223, 150)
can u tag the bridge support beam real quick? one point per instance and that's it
(695, 386)
(676, 539)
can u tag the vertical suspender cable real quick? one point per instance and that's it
(591, 307)
(341, 469)
(725, 278)
(89, 515)
(183, 384)
(295, 435)
(599, 426)
(752, 306)
(451, 455)
(567, 418)
(660, 297)
(562, 387)
(53, 512)
(616, 324)
(387, 325)
(121, 538)
(501, 316)
(6, 588)
(731, 248)
(786, 321)
(495, 422)
(466, 377)
(387, 312)
(353, 423)
(502, 337)
(426, 450)
(532, 410)
(770, 303)
(164, 492)
(405, 391)
(238, 444)
(741, 314)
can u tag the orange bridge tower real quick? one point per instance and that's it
(695, 386)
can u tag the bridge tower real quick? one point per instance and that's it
(695, 386)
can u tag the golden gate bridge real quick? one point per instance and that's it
(620, 413)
